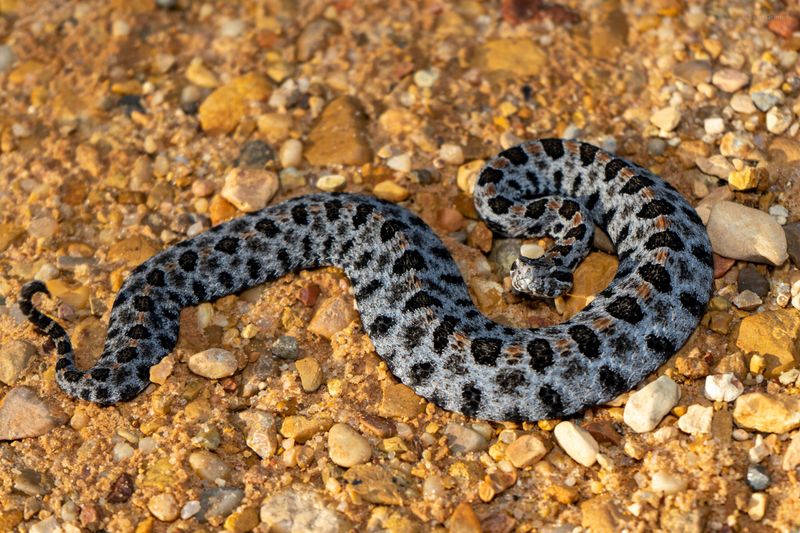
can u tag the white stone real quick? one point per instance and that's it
(291, 153)
(189, 509)
(452, 154)
(742, 103)
(666, 119)
(577, 443)
(759, 451)
(531, 251)
(714, 125)
(757, 506)
(122, 451)
(347, 447)
(723, 387)
(667, 483)
(214, 363)
(778, 120)
(164, 506)
(746, 234)
(120, 28)
(262, 436)
(697, 420)
(426, 78)
(648, 406)
(400, 163)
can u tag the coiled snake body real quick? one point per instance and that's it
(413, 301)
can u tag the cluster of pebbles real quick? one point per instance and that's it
(127, 128)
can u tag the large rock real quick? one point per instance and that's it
(23, 415)
(14, 359)
(770, 413)
(340, 135)
(773, 334)
(746, 234)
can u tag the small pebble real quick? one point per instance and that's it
(122, 451)
(747, 300)
(214, 363)
(391, 191)
(667, 483)
(577, 443)
(452, 154)
(757, 477)
(291, 153)
(714, 125)
(164, 506)
(648, 406)
(766, 99)
(249, 189)
(730, 80)
(525, 451)
(208, 466)
(190, 509)
(462, 439)
(262, 435)
(757, 506)
(331, 182)
(285, 347)
(697, 420)
(310, 373)
(346, 447)
(723, 387)
(742, 103)
(666, 119)
(400, 163)
(778, 120)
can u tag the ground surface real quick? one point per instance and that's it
(121, 125)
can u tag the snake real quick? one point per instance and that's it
(413, 301)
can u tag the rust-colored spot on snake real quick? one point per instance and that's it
(500, 163)
(643, 291)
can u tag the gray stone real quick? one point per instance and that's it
(757, 477)
(285, 347)
(255, 154)
(219, 502)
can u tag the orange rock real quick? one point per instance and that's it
(464, 520)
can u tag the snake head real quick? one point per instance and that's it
(540, 277)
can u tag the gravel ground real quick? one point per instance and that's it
(126, 127)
